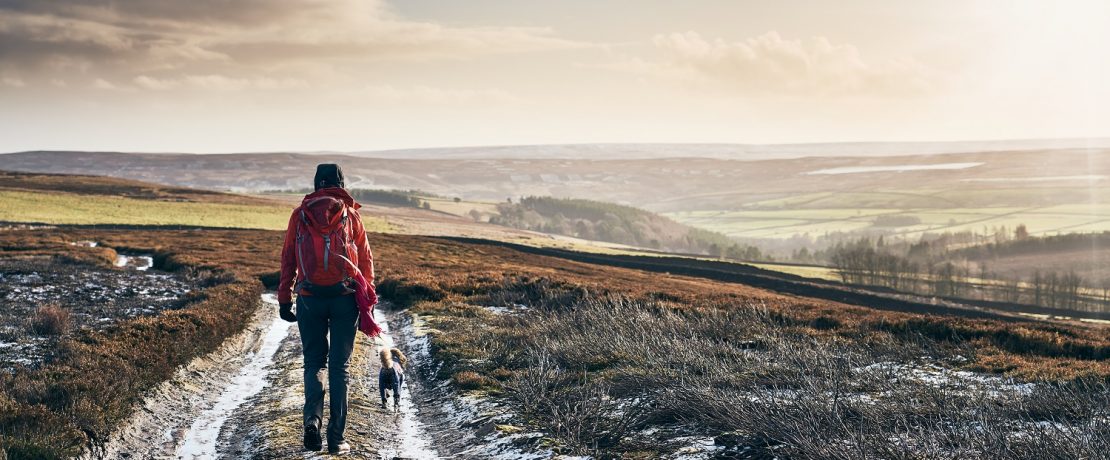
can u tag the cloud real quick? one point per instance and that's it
(254, 43)
(103, 84)
(146, 82)
(771, 64)
(217, 83)
(13, 82)
(438, 96)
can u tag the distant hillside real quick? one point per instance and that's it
(615, 223)
(116, 187)
(1084, 254)
(402, 198)
(1032, 245)
(744, 152)
(798, 202)
(660, 185)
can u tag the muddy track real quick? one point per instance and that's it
(269, 424)
(163, 421)
(245, 401)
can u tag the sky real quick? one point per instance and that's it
(353, 75)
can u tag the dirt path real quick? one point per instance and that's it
(244, 401)
(269, 424)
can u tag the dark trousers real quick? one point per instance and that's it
(316, 319)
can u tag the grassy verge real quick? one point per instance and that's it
(74, 401)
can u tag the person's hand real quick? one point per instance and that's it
(285, 310)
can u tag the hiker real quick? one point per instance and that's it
(326, 260)
(392, 374)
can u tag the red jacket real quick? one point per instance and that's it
(290, 275)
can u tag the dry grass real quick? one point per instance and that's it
(595, 372)
(768, 375)
(587, 326)
(94, 379)
(50, 320)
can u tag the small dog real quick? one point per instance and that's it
(392, 375)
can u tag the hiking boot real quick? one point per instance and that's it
(383, 403)
(312, 439)
(339, 449)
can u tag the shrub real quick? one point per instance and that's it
(50, 320)
(468, 380)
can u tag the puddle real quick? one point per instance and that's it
(200, 440)
(140, 262)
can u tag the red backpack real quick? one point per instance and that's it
(324, 239)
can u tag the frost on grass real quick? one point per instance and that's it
(461, 425)
(614, 376)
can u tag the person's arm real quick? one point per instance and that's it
(288, 263)
(365, 256)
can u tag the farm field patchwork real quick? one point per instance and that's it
(461, 208)
(763, 223)
(821, 273)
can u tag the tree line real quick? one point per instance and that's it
(400, 198)
(870, 263)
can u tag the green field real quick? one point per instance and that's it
(823, 273)
(72, 209)
(462, 208)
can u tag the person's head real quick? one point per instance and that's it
(328, 175)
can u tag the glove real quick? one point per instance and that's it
(285, 310)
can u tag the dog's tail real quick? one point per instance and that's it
(401, 358)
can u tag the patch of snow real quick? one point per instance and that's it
(413, 435)
(497, 310)
(893, 168)
(696, 448)
(85, 244)
(941, 377)
(463, 411)
(200, 440)
(516, 308)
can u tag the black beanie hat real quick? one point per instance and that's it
(328, 175)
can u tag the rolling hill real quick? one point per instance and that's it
(1050, 191)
